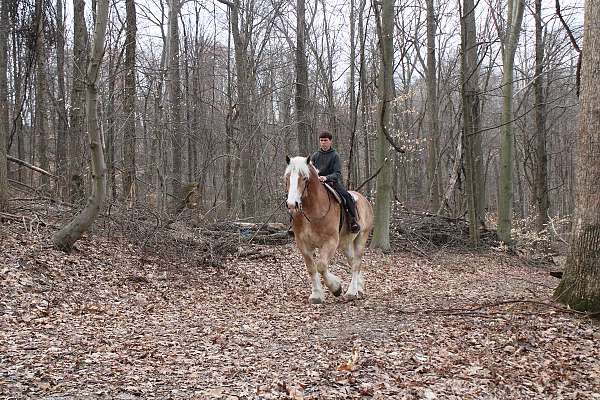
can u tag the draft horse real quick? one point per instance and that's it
(319, 223)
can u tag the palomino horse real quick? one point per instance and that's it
(316, 224)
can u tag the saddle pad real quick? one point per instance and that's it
(336, 196)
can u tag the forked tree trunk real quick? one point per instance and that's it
(383, 197)
(68, 235)
(580, 284)
(471, 119)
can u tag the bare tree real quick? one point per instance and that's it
(69, 234)
(471, 119)
(383, 197)
(541, 160)
(61, 118)
(580, 284)
(433, 142)
(129, 139)
(303, 130)
(41, 129)
(509, 46)
(4, 128)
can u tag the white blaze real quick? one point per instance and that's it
(294, 195)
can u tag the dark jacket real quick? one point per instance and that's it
(329, 165)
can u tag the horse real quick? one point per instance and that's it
(318, 223)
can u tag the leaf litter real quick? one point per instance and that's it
(116, 320)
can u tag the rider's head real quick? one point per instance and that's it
(325, 140)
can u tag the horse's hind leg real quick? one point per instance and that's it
(354, 252)
(331, 281)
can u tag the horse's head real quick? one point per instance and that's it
(297, 176)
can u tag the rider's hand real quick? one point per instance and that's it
(322, 178)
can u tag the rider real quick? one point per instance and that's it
(327, 161)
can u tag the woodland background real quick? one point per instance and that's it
(205, 98)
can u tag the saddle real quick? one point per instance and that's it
(340, 200)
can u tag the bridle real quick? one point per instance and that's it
(301, 210)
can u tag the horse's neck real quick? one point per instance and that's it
(317, 197)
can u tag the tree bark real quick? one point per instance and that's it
(540, 194)
(175, 97)
(505, 192)
(76, 131)
(383, 197)
(129, 137)
(304, 144)
(433, 142)
(4, 128)
(41, 130)
(61, 123)
(580, 284)
(68, 235)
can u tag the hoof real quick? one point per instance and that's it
(315, 300)
(351, 296)
(338, 291)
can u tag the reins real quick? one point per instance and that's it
(328, 207)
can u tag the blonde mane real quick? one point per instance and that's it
(299, 166)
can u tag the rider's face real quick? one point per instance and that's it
(325, 143)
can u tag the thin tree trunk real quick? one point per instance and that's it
(302, 81)
(41, 130)
(383, 197)
(471, 117)
(505, 193)
(4, 128)
(433, 144)
(61, 124)
(541, 198)
(175, 97)
(129, 137)
(68, 235)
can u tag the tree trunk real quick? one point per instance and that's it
(68, 235)
(41, 131)
(76, 129)
(243, 59)
(383, 197)
(175, 97)
(505, 192)
(129, 141)
(364, 104)
(541, 198)
(433, 144)
(304, 144)
(61, 123)
(580, 284)
(4, 128)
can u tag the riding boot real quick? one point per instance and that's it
(354, 226)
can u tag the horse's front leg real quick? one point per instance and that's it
(325, 255)
(316, 294)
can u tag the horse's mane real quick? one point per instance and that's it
(298, 165)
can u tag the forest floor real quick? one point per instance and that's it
(123, 318)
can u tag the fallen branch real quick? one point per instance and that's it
(30, 166)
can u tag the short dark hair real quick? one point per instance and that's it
(325, 134)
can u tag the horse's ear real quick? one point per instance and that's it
(287, 160)
(308, 160)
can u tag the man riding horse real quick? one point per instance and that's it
(327, 161)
